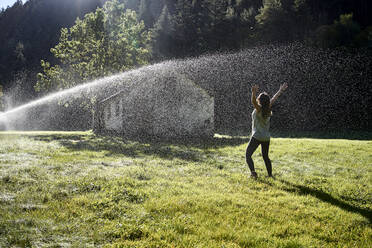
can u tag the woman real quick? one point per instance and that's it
(260, 127)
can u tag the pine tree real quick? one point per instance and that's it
(162, 36)
(200, 23)
(183, 35)
(145, 14)
(218, 13)
(131, 4)
(156, 8)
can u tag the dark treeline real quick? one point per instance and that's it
(28, 32)
(179, 28)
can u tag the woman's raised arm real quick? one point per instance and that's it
(254, 98)
(282, 88)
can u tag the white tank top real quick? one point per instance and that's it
(260, 126)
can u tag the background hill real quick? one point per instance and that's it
(28, 32)
(186, 28)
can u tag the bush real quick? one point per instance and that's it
(343, 32)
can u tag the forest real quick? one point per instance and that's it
(49, 45)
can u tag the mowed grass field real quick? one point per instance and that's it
(76, 189)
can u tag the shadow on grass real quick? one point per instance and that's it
(339, 134)
(190, 150)
(325, 197)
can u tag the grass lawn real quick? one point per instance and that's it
(75, 189)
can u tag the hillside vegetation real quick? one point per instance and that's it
(72, 41)
(75, 189)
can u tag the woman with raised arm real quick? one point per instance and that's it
(260, 127)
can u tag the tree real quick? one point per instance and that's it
(347, 29)
(162, 35)
(28, 31)
(19, 53)
(131, 4)
(183, 35)
(283, 20)
(343, 32)
(156, 8)
(217, 17)
(1, 98)
(193, 27)
(145, 13)
(108, 41)
(272, 21)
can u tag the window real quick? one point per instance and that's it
(117, 112)
(108, 111)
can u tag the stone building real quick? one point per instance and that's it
(171, 106)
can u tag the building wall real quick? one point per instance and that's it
(185, 110)
(113, 115)
(165, 108)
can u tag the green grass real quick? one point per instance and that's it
(75, 189)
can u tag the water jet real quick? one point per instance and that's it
(324, 85)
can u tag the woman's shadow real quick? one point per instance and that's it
(325, 197)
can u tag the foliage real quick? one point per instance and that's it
(77, 189)
(162, 35)
(283, 20)
(364, 38)
(343, 32)
(107, 41)
(181, 28)
(145, 14)
(1, 98)
(202, 26)
(28, 31)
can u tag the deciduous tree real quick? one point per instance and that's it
(108, 41)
